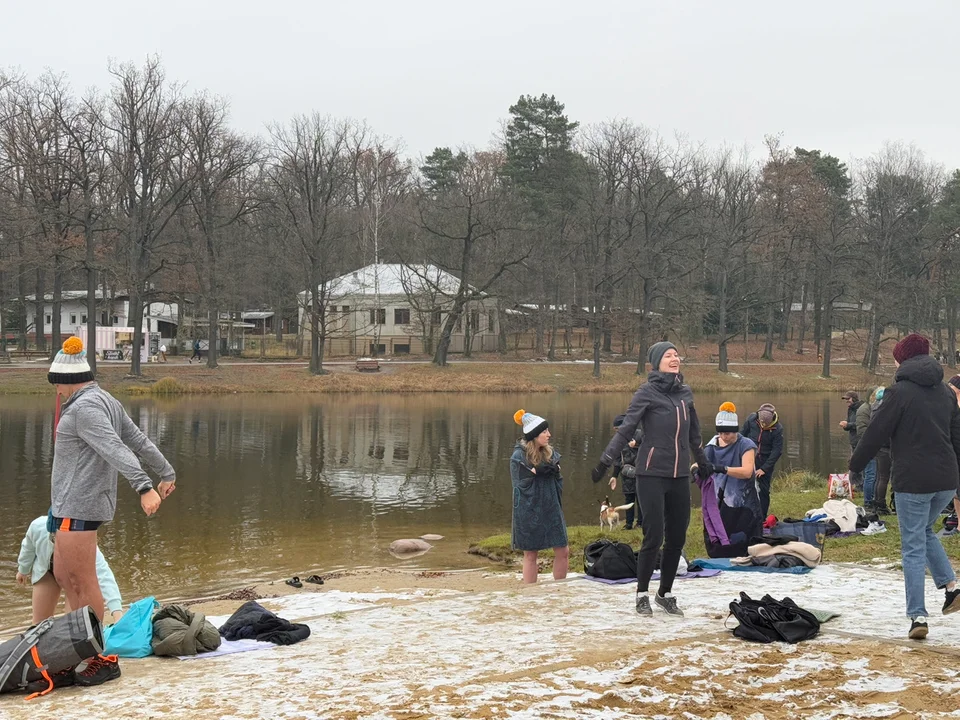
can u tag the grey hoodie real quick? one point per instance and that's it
(96, 440)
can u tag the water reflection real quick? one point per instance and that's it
(275, 485)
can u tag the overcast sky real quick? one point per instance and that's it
(843, 76)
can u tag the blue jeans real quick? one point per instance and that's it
(869, 481)
(920, 548)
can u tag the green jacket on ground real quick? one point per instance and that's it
(178, 631)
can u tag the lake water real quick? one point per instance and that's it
(275, 485)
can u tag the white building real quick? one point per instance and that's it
(157, 316)
(395, 309)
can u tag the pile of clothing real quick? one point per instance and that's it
(780, 552)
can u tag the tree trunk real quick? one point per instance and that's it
(91, 303)
(768, 345)
(315, 318)
(468, 334)
(803, 318)
(827, 337)
(40, 338)
(818, 315)
(55, 331)
(501, 330)
(951, 331)
(538, 349)
(643, 344)
(213, 335)
(554, 321)
(22, 295)
(785, 319)
(4, 314)
(722, 324)
(135, 319)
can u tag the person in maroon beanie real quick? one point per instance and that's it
(921, 419)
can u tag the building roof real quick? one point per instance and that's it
(256, 315)
(395, 279)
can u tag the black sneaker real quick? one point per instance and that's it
(99, 670)
(643, 605)
(669, 604)
(918, 629)
(951, 603)
(62, 679)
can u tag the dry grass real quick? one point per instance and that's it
(785, 503)
(531, 377)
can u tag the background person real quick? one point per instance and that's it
(765, 430)
(663, 410)
(921, 419)
(34, 563)
(626, 470)
(538, 522)
(852, 398)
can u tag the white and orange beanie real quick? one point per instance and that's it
(70, 365)
(532, 424)
(727, 420)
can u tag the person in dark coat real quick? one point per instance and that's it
(852, 398)
(921, 419)
(538, 522)
(664, 411)
(626, 469)
(764, 428)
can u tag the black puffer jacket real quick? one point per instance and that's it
(663, 410)
(769, 442)
(920, 418)
(254, 622)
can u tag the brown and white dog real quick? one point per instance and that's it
(610, 514)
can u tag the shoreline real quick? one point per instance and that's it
(464, 377)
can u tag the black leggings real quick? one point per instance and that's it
(665, 504)
(632, 512)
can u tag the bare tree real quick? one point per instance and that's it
(224, 166)
(146, 119)
(473, 230)
(314, 160)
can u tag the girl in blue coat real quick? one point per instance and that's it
(538, 522)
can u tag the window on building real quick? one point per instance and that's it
(401, 349)
(436, 318)
(83, 319)
(378, 316)
(491, 320)
(459, 325)
(116, 320)
(73, 319)
(401, 316)
(49, 320)
(345, 309)
(378, 349)
(475, 320)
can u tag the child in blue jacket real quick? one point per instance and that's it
(36, 562)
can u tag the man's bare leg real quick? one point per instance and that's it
(75, 567)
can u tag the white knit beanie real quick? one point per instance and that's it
(727, 420)
(532, 424)
(70, 365)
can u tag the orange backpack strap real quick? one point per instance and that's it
(43, 671)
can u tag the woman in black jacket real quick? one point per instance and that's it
(663, 409)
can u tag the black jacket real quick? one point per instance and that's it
(920, 417)
(769, 442)
(852, 422)
(252, 621)
(663, 409)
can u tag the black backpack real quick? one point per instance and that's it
(609, 560)
(768, 620)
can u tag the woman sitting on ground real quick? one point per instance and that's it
(733, 458)
(538, 522)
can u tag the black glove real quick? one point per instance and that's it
(599, 471)
(706, 469)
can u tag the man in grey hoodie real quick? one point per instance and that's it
(94, 440)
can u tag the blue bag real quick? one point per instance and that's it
(131, 636)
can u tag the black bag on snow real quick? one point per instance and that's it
(609, 560)
(768, 620)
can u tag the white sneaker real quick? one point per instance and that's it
(874, 528)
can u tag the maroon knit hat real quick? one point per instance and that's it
(911, 346)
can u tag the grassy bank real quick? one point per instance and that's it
(793, 496)
(183, 379)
